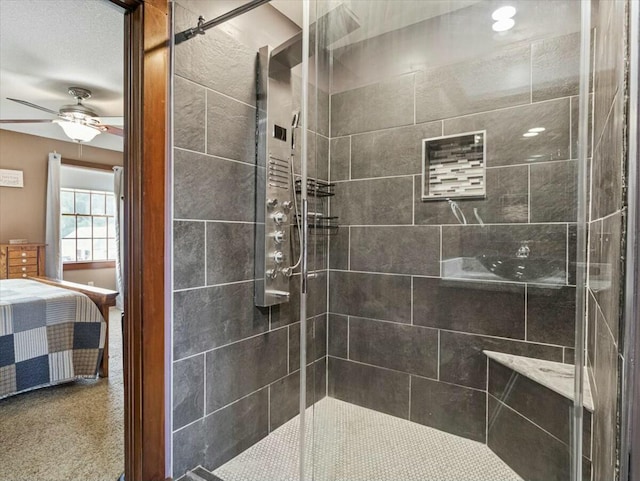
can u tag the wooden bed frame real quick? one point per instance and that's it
(102, 298)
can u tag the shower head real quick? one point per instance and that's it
(333, 26)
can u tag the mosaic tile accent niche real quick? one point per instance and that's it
(453, 166)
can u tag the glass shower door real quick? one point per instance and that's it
(454, 279)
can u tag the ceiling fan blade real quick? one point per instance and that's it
(114, 130)
(112, 120)
(25, 121)
(29, 104)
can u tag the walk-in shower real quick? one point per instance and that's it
(397, 236)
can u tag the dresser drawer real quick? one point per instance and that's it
(22, 252)
(23, 261)
(22, 271)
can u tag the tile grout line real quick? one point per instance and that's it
(348, 336)
(411, 300)
(526, 304)
(206, 281)
(486, 425)
(529, 194)
(206, 109)
(438, 366)
(217, 92)
(410, 378)
(531, 75)
(204, 402)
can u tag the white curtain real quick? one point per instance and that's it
(118, 194)
(53, 259)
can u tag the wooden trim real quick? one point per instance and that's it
(87, 165)
(81, 266)
(147, 74)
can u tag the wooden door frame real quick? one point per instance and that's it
(145, 160)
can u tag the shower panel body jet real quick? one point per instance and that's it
(274, 185)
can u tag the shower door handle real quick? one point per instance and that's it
(304, 235)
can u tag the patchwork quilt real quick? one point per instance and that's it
(48, 335)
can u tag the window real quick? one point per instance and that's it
(87, 225)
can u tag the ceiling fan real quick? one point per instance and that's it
(79, 122)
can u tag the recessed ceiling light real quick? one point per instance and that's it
(537, 129)
(504, 13)
(503, 25)
(530, 134)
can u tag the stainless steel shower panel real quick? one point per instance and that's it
(274, 186)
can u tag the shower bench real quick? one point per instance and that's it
(529, 416)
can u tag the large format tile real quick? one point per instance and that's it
(606, 287)
(240, 368)
(607, 166)
(551, 315)
(463, 362)
(500, 79)
(289, 312)
(217, 61)
(554, 191)
(188, 254)
(316, 344)
(453, 409)
(210, 188)
(285, 393)
(189, 447)
(338, 335)
(189, 114)
(230, 252)
(399, 250)
(390, 152)
(505, 128)
(235, 428)
(371, 387)
(231, 127)
(507, 200)
(547, 244)
(401, 347)
(209, 317)
(527, 449)
(555, 66)
(374, 202)
(340, 158)
(482, 308)
(540, 405)
(375, 296)
(188, 390)
(609, 61)
(378, 106)
(339, 249)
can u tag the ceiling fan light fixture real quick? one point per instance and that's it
(76, 131)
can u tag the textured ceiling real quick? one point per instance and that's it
(47, 46)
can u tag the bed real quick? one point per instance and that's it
(51, 332)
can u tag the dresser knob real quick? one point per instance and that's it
(24, 254)
(24, 269)
(24, 275)
(24, 261)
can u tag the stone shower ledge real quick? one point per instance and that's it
(556, 376)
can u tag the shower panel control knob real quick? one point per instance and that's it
(278, 236)
(271, 203)
(286, 205)
(279, 217)
(278, 257)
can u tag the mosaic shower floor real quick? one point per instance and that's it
(351, 443)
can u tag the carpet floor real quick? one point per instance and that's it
(72, 431)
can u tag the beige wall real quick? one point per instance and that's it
(105, 278)
(22, 211)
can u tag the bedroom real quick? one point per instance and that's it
(67, 421)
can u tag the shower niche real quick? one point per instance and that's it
(453, 166)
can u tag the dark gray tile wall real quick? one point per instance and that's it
(393, 316)
(606, 228)
(236, 366)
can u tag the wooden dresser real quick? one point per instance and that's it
(21, 260)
